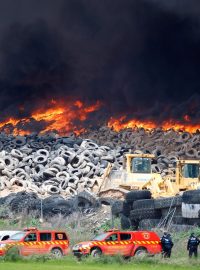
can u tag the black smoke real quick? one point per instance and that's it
(140, 58)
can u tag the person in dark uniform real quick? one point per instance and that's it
(192, 245)
(167, 245)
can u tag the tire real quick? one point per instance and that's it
(185, 136)
(140, 253)
(125, 222)
(13, 253)
(83, 204)
(148, 224)
(51, 208)
(53, 190)
(53, 199)
(138, 195)
(126, 209)
(96, 253)
(139, 214)
(144, 204)
(57, 252)
(168, 202)
(117, 208)
(191, 197)
(134, 224)
(106, 201)
(24, 202)
(191, 153)
(88, 197)
(40, 159)
(62, 208)
(20, 141)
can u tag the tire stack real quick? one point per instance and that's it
(167, 207)
(127, 216)
(140, 210)
(191, 207)
(29, 203)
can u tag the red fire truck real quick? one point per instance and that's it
(33, 241)
(130, 243)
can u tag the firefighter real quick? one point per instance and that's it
(192, 245)
(167, 245)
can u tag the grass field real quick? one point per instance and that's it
(76, 266)
(103, 263)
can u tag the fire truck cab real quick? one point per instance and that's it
(32, 241)
(130, 243)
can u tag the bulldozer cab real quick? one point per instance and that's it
(188, 174)
(137, 171)
(137, 175)
(138, 163)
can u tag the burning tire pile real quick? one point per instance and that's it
(164, 144)
(65, 166)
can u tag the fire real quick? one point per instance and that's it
(122, 123)
(67, 116)
(61, 116)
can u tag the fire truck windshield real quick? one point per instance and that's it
(17, 236)
(100, 237)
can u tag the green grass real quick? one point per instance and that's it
(107, 263)
(76, 266)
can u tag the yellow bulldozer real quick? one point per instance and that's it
(137, 175)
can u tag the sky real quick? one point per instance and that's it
(139, 58)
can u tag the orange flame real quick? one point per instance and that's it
(122, 123)
(65, 117)
(60, 117)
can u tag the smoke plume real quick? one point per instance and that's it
(139, 58)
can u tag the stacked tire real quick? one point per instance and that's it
(127, 216)
(191, 206)
(140, 210)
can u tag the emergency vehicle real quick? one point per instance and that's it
(130, 243)
(33, 241)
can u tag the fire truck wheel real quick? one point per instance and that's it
(57, 252)
(141, 252)
(13, 252)
(96, 252)
(138, 195)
